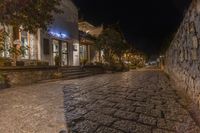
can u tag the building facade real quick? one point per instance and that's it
(61, 40)
(88, 52)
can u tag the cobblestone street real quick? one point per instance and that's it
(131, 102)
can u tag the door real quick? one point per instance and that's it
(64, 54)
(55, 50)
(24, 43)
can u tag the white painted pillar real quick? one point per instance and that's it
(39, 44)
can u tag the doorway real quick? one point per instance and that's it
(64, 58)
(60, 49)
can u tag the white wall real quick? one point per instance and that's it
(76, 59)
(67, 24)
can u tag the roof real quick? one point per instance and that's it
(88, 28)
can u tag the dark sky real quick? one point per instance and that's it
(145, 23)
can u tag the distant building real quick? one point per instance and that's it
(88, 52)
(62, 39)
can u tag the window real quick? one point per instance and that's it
(25, 43)
(5, 41)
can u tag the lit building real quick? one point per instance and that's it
(87, 48)
(62, 39)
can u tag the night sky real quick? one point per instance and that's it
(145, 23)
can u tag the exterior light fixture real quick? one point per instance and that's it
(87, 31)
(162, 56)
(59, 35)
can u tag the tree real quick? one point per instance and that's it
(120, 49)
(113, 45)
(105, 42)
(29, 14)
(135, 58)
(2, 40)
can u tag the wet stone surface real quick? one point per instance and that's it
(132, 102)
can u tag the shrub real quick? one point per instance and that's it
(20, 63)
(117, 67)
(5, 62)
(57, 75)
(17, 50)
(42, 63)
(83, 61)
(132, 66)
(57, 60)
(99, 64)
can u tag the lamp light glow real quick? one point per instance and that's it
(59, 35)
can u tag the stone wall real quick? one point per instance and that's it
(183, 56)
(27, 75)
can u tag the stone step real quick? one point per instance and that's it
(74, 72)
(70, 68)
(71, 71)
(68, 77)
(77, 76)
(66, 74)
(64, 70)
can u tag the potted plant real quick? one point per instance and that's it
(83, 61)
(57, 60)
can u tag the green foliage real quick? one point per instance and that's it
(30, 14)
(135, 59)
(17, 50)
(3, 36)
(116, 67)
(83, 61)
(113, 45)
(57, 75)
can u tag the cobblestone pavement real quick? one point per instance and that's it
(132, 102)
(36, 108)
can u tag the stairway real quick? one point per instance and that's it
(74, 72)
